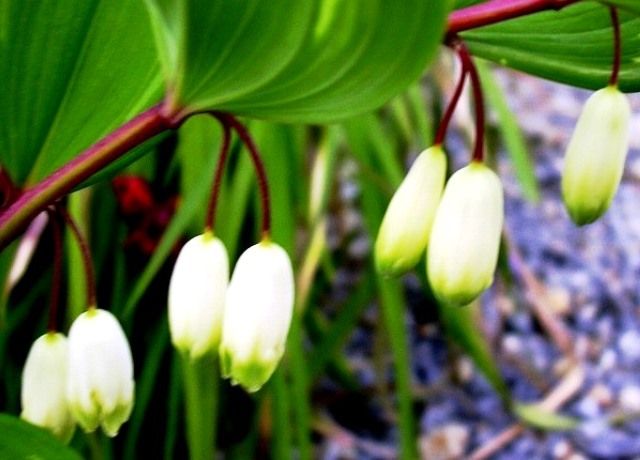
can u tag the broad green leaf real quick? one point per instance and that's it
(327, 60)
(21, 440)
(573, 46)
(213, 51)
(538, 417)
(71, 72)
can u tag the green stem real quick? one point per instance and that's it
(201, 382)
(95, 446)
(392, 305)
(281, 448)
(173, 406)
(300, 388)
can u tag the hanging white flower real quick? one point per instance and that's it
(197, 294)
(100, 387)
(404, 232)
(465, 238)
(596, 154)
(44, 380)
(257, 315)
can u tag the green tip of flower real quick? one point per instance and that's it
(392, 268)
(250, 373)
(582, 217)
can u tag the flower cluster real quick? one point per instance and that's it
(459, 228)
(245, 320)
(86, 379)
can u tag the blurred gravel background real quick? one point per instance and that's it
(585, 279)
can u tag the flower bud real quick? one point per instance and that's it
(44, 380)
(595, 157)
(404, 232)
(465, 239)
(100, 380)
(197, 294)
(257, 315)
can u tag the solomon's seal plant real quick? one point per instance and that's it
(404, 232)
(465, 239)
(260, 294)
(197, 294)
(100, 380)
(165, 67)
(44, 386)
(596, 154)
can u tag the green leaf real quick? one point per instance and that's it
(393, 310)
(327, 60)
(538, 417)
(632, 6)
(71, 72)
(21, 440)
(514, 141)
(146, 384)
(573, 46)
(201, 382)
(462, 325)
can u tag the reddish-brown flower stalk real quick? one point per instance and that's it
(210, 221)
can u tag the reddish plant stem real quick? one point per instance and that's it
(263, 183)
(495, 11)
(478, 100)
(615, 68)
(453, 103)
(210, 221)
(56, 276)
(35, 199)
(86, 255)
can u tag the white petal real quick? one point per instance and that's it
(100, 384)
(465, 239)
(596, 154)
(197, 294)
(404, 232)
(257, 314)
(44, 382)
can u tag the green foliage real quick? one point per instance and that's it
(538, 417)
(462, 326)
(21, 440)
(71, 73)
(328, 60)
(629, 5)
(572, 46)
(74, 71)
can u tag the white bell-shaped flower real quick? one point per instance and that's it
(257, 315)
(197, 295)
(100, 387)
(596, 154)
(465, 238)
(44, 385)
(404, 232)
